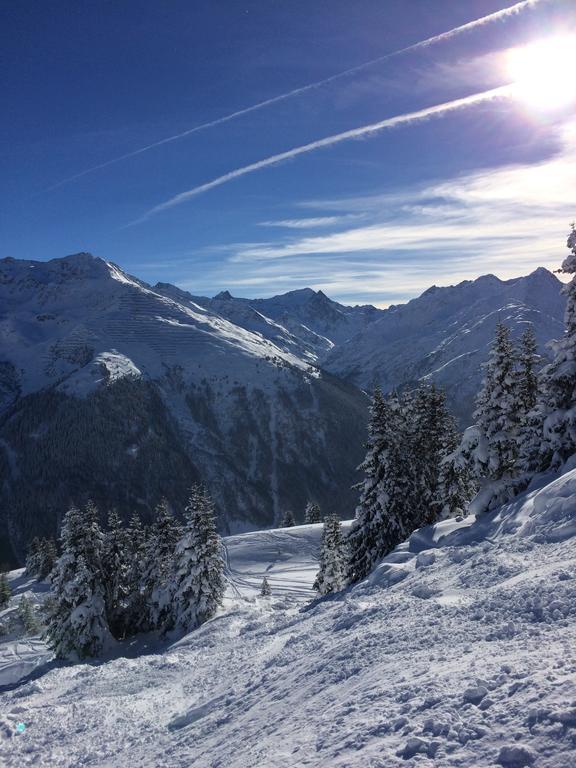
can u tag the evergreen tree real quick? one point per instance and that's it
(158, 564)
(47, 556)
(530, 434)
(77, 623)
(41, 557)
(198, 586)
(498, 409)
(288, 521)
(136, 612)
(265, 590)
(456, 486)
(331, 576)
(383, 514)
(33, 557)
(5, 591)
(362, 538)
(28, 616)
(433, 436)
(312, 513)
(115, 566)
(528, 388)
(558, 408)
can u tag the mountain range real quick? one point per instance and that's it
(124, 392)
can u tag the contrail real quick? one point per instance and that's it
(354, 133)
(503, 13)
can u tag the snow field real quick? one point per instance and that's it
(459, 650)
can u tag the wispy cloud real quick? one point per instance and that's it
(312, 222)
(507, 220)
(328, 141)
(442, 37)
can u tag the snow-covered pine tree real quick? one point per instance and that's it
(433, 436)
(158, 565)
(33, 557)
(559, 380)
(363, 535)
(498, 409)
(288, 521)
(41, 557)
(530, 433)
(312, 514)
(115, 565)
(528, 360)
(383, 514)
(265, 590)
(198, 582)
(331, 576)
(136, 612)
(5, 591)
(47, 556)
(77, 625)
(28, 617)
(456, 486)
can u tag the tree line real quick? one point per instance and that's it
(525, 417)
(112, 584)
(418, 471)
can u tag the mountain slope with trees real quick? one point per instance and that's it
(115, 392)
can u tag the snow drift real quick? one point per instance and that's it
(457, 651)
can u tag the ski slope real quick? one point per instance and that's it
(458, 651)
(20, 656)
(288, 557)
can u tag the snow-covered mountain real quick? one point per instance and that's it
(304, 322)
(127, 392)
(445, 335)
(189, 395)
(457, 652)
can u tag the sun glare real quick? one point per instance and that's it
(544, 73)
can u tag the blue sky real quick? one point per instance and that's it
(485, 188)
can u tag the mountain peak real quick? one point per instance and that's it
(297, 297)
(82, 257)
(541, 273)
(223, 296)
(83, 261)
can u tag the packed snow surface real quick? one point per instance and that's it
(459, 650)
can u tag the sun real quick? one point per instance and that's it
(544, 73)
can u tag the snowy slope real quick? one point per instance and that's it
(457, 651)
(304, 322)
(20, 655)
(288, 557)
(174, 388)
(445, 335)
(304, 343)
(62, 315)
(190, 395)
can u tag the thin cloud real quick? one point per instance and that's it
(508, 221)
(442, 37)
(503, 212)
(354, 133)
(311, 222)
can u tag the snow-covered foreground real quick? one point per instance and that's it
(288, 558)
(460, 650)
(20, 656)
